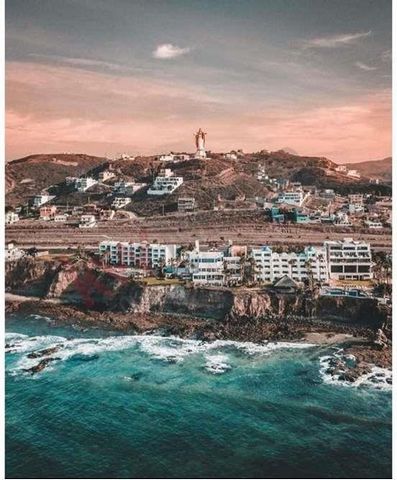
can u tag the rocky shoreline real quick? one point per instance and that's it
(366, 347)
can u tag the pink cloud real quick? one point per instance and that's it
(61, 108)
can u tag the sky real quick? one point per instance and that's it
(141, 76)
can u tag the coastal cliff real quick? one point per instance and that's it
(89, 288)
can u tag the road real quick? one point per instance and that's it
(185, 229)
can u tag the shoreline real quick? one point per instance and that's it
(354, 341)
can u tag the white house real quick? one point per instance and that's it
(373, 224)
(105, 175)
(39, 200)
(87, 221)
(165, 183)
(353, 173)
(84, 183)
(349, 260)
(206, 268)
(11, 217)
(120, 202)
(13, 253)
(61, 217)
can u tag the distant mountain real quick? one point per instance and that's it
(381, 169)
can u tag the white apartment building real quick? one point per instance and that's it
(87, 221)
(84, 183)
(140, 255)
(39, 200)
(341, 168)
(271, 266)
(206, 268)
(120, 202)
(349, 260)
(165, 183)
(291, 197)
(11, 217)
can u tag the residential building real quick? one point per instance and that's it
(120, 202)
(11, 217)
(206, 268)
(71, 180)
(356, 203)
(271, 265)
(327, 194)
(105, 175)
(165, 183)
(84, 183)
(174, 157)
(291, 197)
(341, 168)
(186, 204)
(48, 212)
(353, 173)
(127, 188)
(349, 260)
(87, 221)
(39, 200)
(373, 224)
(106, 214)
(231, 156)
(300, 217)
(141, 255)
(61, 217)
(13, 253)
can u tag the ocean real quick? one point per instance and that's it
(117, 406)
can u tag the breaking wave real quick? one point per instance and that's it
(377, 377)
(169, 349)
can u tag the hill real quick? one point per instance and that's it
(381, 169)
(30, 175)
(216, 181)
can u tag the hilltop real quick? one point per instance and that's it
(381, 169)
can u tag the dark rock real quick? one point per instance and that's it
(40, 366)
(43, 353)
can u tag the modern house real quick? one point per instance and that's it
(165, 183)
(84, 183)
(11, 217)
(349, 260)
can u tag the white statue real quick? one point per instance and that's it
(200, 144)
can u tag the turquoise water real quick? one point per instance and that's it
(153, 407)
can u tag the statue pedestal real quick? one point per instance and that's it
(200, 153)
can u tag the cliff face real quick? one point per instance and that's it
(28, 276)
(89, 288)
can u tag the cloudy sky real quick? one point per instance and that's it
(140, 76)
